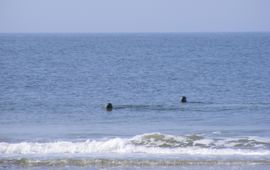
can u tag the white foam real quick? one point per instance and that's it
(205, 142)
(139, 144)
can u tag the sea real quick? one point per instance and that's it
(54, 88)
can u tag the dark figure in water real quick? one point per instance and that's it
(109, 107)
(184, 99)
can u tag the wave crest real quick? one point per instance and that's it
(152, 143)
(163, 140)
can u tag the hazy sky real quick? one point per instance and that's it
(134, 15)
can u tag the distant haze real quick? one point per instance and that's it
(134, 15)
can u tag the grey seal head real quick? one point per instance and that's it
(184, 99)
(109, 107)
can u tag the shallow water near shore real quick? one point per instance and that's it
(54, 88)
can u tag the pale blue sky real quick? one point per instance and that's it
(134, 15)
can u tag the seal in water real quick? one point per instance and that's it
(184, 99)
(109, 107)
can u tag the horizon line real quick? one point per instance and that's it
(131, 32)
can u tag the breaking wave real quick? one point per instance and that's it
(151, 143)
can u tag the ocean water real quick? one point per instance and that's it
(54, 88)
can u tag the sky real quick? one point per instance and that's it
(134, 16)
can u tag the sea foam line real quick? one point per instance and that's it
(155, 143)
(125, 162)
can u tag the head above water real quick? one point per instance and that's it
(183, 99)
(109, 107)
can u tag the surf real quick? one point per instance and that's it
(149, 143)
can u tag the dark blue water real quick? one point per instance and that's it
(54, 88)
